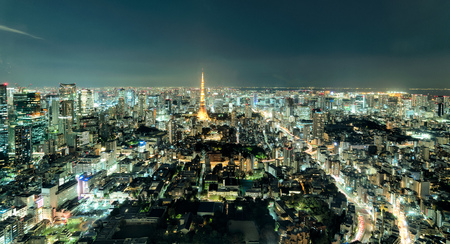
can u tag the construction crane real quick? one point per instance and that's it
(21, 89)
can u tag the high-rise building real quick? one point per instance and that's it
(131, 97)
(304, 112)
(142, 104)
(168, 106)
(27, 104)
(67, 91)
(38, 128)
(440, 109)
(121, 108)
(289, 107)
(171, 131)
(360, 101)
(154, 116)
(417, 100)
(3, 141)
(153, 100)
(85, 102)
(53, 104)
(233, 118)
(67, 96)
(22, 137)
(202, 114)
(65, 118)
(288, 156)
(3, 102)
(248, 112)
(318, 125)
(28, 113)
(218, 105)
(3, 122)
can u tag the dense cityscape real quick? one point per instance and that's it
(227, 165)
(236, 122)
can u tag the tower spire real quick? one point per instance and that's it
(202, 114)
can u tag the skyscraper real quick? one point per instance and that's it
(202, 114)
(3, 102)
(318, 125)
(85, 102)
(171, 131)
(65, 116)
(3, 122)
(67, 91)
(131, 97)
(248, 112)
(27, 104)
(27, 107)
(233, 118)
(23, 144)
(440, 109)
(53, 103)
(142, 104)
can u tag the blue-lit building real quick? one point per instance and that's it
(131, 97)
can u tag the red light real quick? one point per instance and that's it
(6, 83)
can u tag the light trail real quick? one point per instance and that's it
(360, 232)
(350, 197)
(310, 147)
(401, 223)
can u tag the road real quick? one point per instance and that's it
(310, 147)
(363, 211)
(200, 184)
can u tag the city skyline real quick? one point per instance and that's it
(225, 165)
(320, 122)
(390, 44)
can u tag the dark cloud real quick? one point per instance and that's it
(240, 43)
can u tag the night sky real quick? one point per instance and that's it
(242, 43)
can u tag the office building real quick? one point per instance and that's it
(85, 102)
(318, 125)
(23, 149)
(3, 122)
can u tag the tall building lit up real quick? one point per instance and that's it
(3, 121)
(67, 91)
(202, 114)
(85, 102)
(23, 147)
(67, 107)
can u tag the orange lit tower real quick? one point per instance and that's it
(202, 115)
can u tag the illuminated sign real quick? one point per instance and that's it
(40, 202)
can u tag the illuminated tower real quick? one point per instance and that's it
(202, 115)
